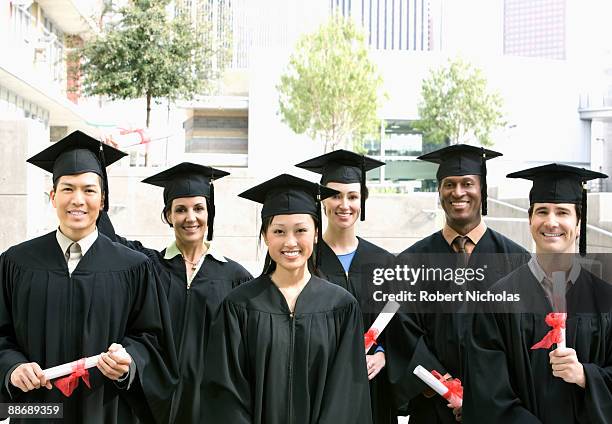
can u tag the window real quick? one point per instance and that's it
(398, 146)
(217, 131)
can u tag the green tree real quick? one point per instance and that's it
(331, 89)
(146, 53)
(457, 107)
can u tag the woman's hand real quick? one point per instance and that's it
(375, 364)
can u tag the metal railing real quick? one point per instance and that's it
(41, 47)
(592, 101)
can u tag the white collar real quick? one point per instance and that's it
(539, 273)
(172, 250)
(85, 243)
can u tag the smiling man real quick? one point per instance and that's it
(73, 293)
(462, 189)
(435, 339)
(567, 384)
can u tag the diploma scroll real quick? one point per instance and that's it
(68, 368)
(379, 324)
(559, 302)
(453, 395)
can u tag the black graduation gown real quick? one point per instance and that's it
(192, 311)
(273, 367)
(435, 340)
(510, 383)
(367, 256)
(50, 317)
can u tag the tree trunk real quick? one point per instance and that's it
(148, 120)
(148, 108)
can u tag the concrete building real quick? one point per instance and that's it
(535, 28)
(549, 104)
(37, 104)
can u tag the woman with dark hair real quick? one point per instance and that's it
(348, 260)
(287, 347)
(194, 275)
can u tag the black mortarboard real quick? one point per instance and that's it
(287, 195)
(342, 166)
(463, 159)
(78, 153)
(187, 180)
(554, 183)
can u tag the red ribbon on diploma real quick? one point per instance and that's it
(455, 389)
(67, 384)
(370, 337)
(555, 320)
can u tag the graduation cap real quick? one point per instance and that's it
(463, 159)
(343, 166)
(78, 153)
(188, 180)
(287, 195)
(554, 183)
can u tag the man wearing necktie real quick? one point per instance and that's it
(520, 374)
(73, 293)
(435, 339)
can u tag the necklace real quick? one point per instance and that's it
(194, 265)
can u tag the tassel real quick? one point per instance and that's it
(582, 244)
(211, 211)
(483, 182)
(104, 176)
(363, 188)
(319, 228)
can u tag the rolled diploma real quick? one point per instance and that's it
(68, 368)
(430, 380)
(559, 303)
(382, 320)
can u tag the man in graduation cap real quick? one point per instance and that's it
(349, 260)
(287, 347)
(73, 293)
(514, 375)
(434, 339)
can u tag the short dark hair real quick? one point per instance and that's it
(577, 206)
(100, 182)
(270, 265)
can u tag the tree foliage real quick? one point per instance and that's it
(457, 107)
(331, 89)
(148, 54)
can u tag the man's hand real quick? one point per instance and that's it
(429, 392)
(115, 363)
(375, 363)
(565, 365)
(29, 377)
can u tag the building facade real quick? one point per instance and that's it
(37, 104)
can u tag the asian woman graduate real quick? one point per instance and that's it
(289, 345)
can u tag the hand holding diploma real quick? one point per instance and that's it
(565, 365)
(563, 360)
(450, 390)
(115, 363)
(556, 319)
(29, 376)
(112, 364)
(375, 364)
